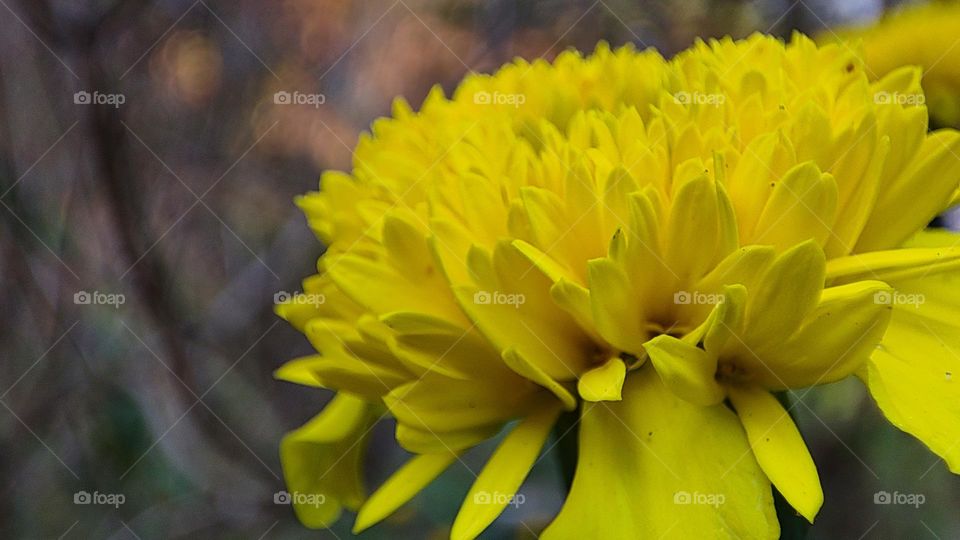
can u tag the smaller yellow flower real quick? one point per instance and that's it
(926, 35)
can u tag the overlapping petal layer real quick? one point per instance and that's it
(660, 245)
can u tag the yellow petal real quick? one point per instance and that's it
(896, 264)
(687, 370)
(642, 472)
(406, 245)
(616, 195)
(498, 482)
(463, 405)
(803, 206)
(422, 441)
(379, 287)
(341, 373)
(915, 373)
(914, 380)
(299, 309)
(582, 230)
(786, 294)
(551, 268)
(575, 300)
(603, 383)
(413, 323)
(906, 127)
(937, 238)
(643, 234)
(779, 448)
(929, 185)
(322, 461)
(486, 214)
(835, 340)
(765, 158)
(726, 319)
(449, 242)
(857, 170)
(516, 311)
(529, 370)
(636, 249)
(465, 355)
(299, 371)
(402, 486)
(617, 314)
(744, 266)
(564, 238)
(695, 220)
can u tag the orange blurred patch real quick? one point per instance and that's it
(190, 65)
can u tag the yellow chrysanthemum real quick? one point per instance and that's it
(659, 245)
(927, 35)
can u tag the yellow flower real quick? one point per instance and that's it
(657, 245)
(926, 35)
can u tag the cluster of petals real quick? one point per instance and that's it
(659, 247)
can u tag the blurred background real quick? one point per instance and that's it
(147, 171)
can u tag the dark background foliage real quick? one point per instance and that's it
(180, 200)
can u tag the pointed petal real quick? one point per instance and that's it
(498, 482)
(299, 371)
(402, 486)
(413, 323)
(744, 266)
(803, 206)
(835, 341)
(896, 264)
(687, 370)
(422, 441)
(550, 268)
(929, 185)
(575, 300)
(465, 355)
(785, 295)
(463, 406)
(617, 314)
(695, 220)
(766, 157)
(379, 287)
(531, 371)
(857, 170)
(341, 373)
(725, 319)
(563, 234)
(779, 448)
